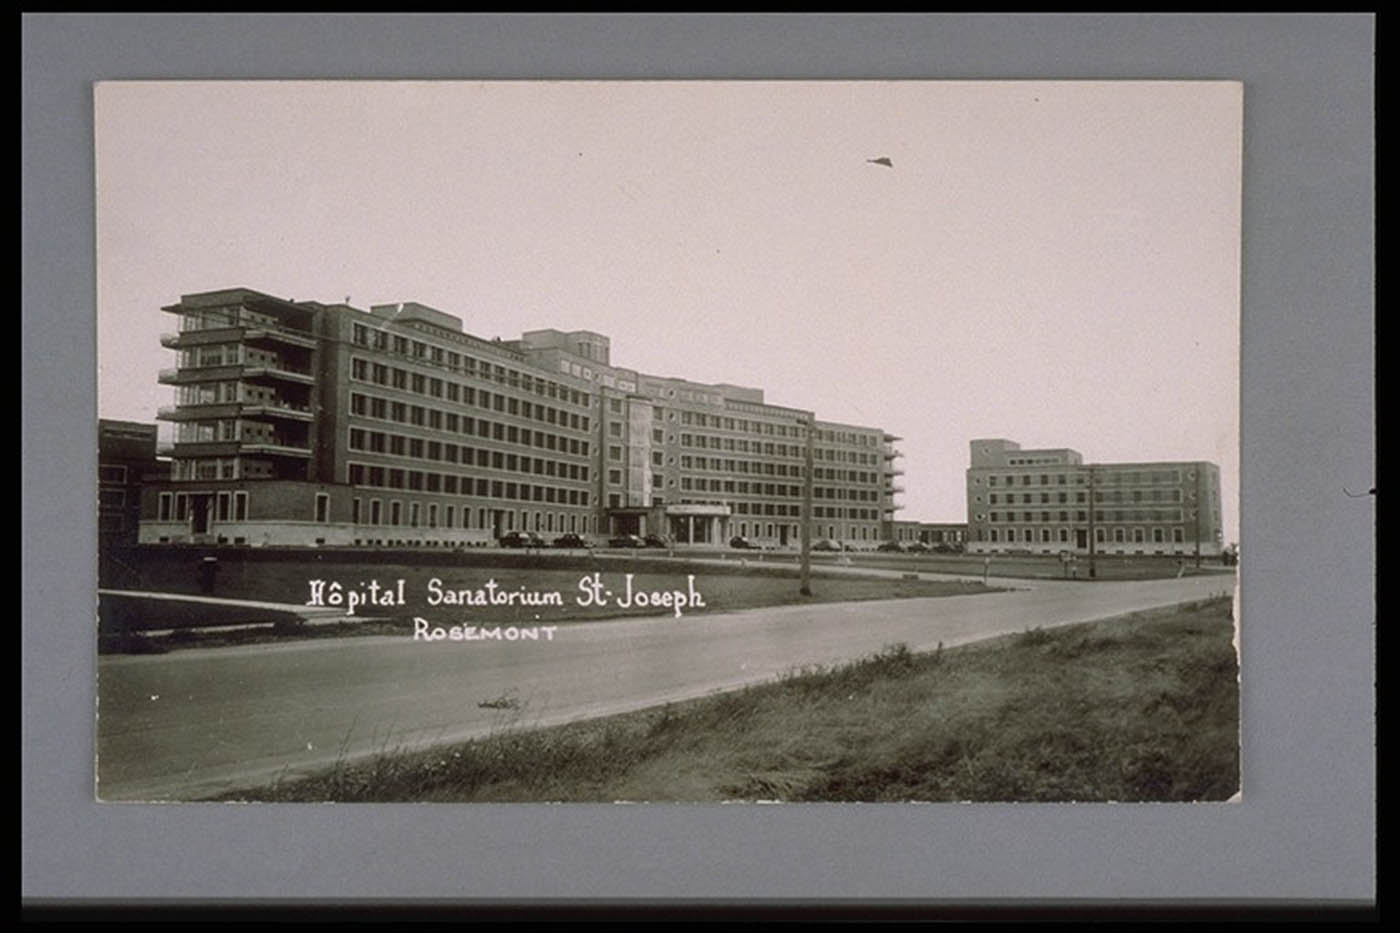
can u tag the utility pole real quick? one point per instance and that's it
(1093, 551)
(806, 588)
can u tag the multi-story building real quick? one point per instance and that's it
(1039, 501)
(304, 423)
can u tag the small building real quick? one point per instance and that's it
(126, 459)
(950, 535)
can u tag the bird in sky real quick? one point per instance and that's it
(883, 160)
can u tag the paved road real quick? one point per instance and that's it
(195, 722)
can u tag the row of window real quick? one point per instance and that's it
(235, 429)
(374, 512)
(823, 511)
(418, 448)
(453, 361)
(451, 484)
(1058, 479)
(794, 532)
(228, 506)
(739, 487)
(221, 317)
(849, 438)
(184, 469)
(228, 354)
(1101, 535)
(794, 451)
(1102, 478)
(1109, 496)
(483, 399)
(371, 406)
(1100, 515)
(225, 393)
(728, 465)
(742, 425)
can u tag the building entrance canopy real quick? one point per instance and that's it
(698, 523)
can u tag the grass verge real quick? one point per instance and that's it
(1142, 707)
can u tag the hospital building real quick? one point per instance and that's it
(1050, 501)
(301, 423)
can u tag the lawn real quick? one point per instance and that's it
(1143, 707)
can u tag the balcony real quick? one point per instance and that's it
(185, 375)
(279, 412)
(197, 338)
(277, 449)
(197, 412)
(185, 449)
(279, 336)
(890, 453)
(260, 412)
(188, 374)
(275, 374)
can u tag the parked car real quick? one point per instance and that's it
(626, 541)
(739, 541)
(894, 546)
(655, 541)
(570, 540)
(521, 539)
(826, 544)
(918, 547)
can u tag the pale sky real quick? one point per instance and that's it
(1053, 262)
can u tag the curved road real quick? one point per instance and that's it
(196, 722)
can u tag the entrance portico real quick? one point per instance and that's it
(698, 523)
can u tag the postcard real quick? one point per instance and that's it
(659, 441)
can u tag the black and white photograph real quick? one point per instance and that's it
(668, 441)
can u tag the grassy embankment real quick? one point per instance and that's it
(1143, 707)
